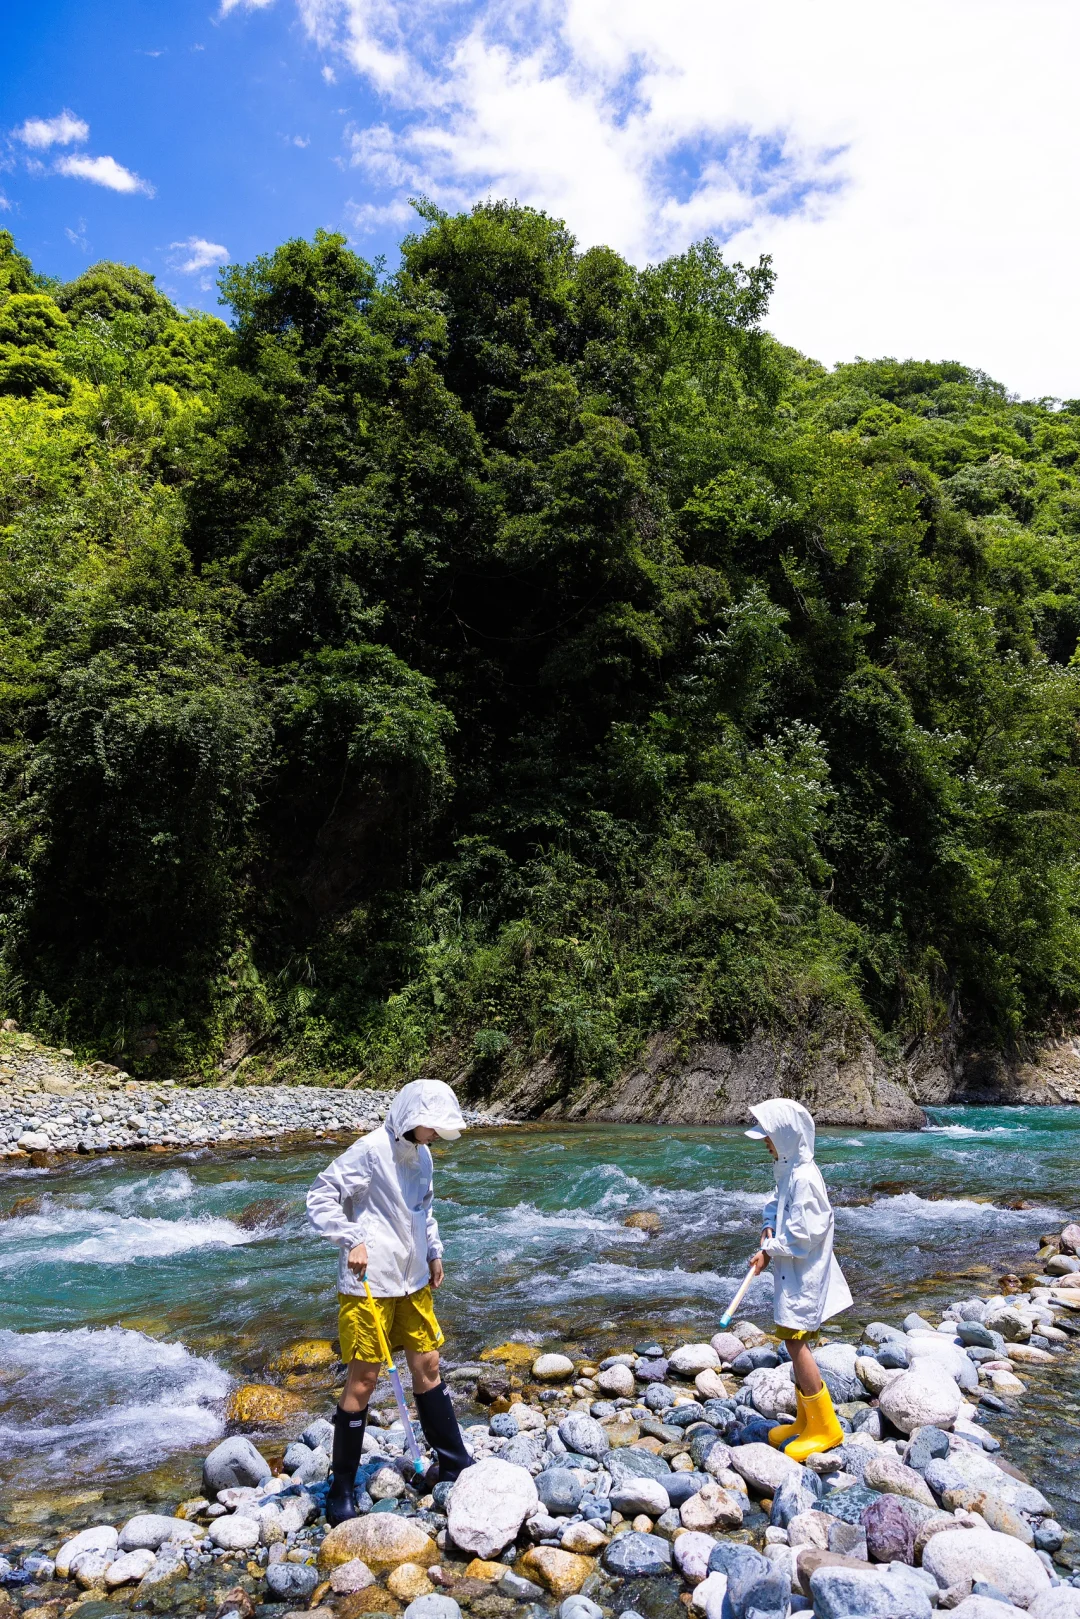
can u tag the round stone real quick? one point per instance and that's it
(382, 1540)
(234, 1534)
(552, 1368)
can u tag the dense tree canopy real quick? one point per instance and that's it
(516, 654)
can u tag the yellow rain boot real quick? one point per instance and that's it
(821, 1430)
(778, 1437)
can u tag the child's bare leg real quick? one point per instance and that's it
(803, 1364)
(423, 1369)
(360, 1380)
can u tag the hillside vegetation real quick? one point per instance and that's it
(518, 654)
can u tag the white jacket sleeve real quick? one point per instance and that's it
(434, 1241)
(808, 1219)
(346, 1178)
(768, 1215)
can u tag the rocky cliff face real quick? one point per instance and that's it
(840, 1076)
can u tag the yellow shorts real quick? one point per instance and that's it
(409, 1323)
(798, 1335)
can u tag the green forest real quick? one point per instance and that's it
(515, 654)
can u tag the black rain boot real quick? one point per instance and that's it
(440, 1424)
(348, 1448)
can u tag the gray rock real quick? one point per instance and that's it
(925, 1446)
(651, 1371)
(636, 1554)
(5, 1568)
(601, 1409)
(974, 1334)
(314, 1468)
(1049, 1536)
(148, 1531)
(750, 1592)
(291, 1582)
(433, 1606)
(595, 1506)
(232, 1464)
(681, 1486)
(559, 1491)
(658, 1396)
(893, 1356)
(836, 1363)
(1061, 1603)
(966, 1555)
(524, 1450)
(753, 1360)
(973, 1470)
(796, 1494)
(916, 1323)
(319, 1433)
(840, 1593)
(730, 1555)
(580, 1606)
(879, 1332)
(583, 1434)
(519, 1589)
(503, 1425)
(628, 1462)
(848, 1504)
(683, 1415)
(296, 1454)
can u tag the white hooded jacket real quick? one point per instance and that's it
(380, 1193)
(808, 1284)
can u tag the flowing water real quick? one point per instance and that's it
(134, 1294)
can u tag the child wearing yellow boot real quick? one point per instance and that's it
(808, 1284)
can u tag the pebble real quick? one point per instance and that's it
(636, 1554)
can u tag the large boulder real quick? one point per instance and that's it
(925, 1396)
(382, 1540)
(973, 1470)
(772, 1390)
(943, 1352)
(487, 1506)
(886, 1593)
(966, 1555)
(232, 1464)
(836, 1363)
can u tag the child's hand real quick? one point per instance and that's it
(759, 1261)
(358, 1260)
(435, 1271)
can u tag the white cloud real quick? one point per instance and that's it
(912, 170)
(244, 5)
(198, 254)
(104, 171)
(63, 130)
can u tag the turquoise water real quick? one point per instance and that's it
(137, 1291)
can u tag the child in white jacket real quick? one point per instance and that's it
(374, 1202)
(808, 1284)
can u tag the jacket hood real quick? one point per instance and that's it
(426, 1102)
(790, 1129)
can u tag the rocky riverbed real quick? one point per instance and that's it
(51, 1105)
(641, 1483)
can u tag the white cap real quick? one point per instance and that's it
(756, 1135)
(447, 1135)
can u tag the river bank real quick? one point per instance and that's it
(628, 1481)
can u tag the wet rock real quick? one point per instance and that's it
(261, 1405)
(1013, 1327)
(234, 1463)
(643, 1220)
(966, 1555)
(561, 1573)
(637, 1554)
(631, 1495)
(488, 1504)
(150, 1530)
(308, 1355)
(291, 1582)
(435, 1606)
(584, 1434)
(89, 1567)
(559, 1491)
(890, 1534)
(617, 1381)
(552, 1368)
(580, 1607)
(170, 1564)
(923, 1397)
(382, 1540)
(129, 1568)
(689, 1359)
(234, 1534)
(408, 1581)
(102, 1537)
(839, 1593)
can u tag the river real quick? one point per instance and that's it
(137, 1291)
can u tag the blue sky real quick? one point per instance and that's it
(911, 168)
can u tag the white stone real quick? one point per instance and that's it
(924, 1396)
(689, 1359)
(710, 1593)
(552, 1368)
(711, 1386)
(966, 1555)
(149, 1530)
(234, 1534)
(873, 1375)
(987, 1608)
(89, 1567)
(772, 1390)
(617, 1380)
(712, 1507)
(727, 1345)
(762, 1467)
(102, 1537)
(386, 1484)
(1061, 1603)
(692, 1552)
(488, 1504)
(130, 1568)
(34, 1141)
(528, 1420)
(633, 1495)
(809, 1529)
(718, 1460)
(350, 1577)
